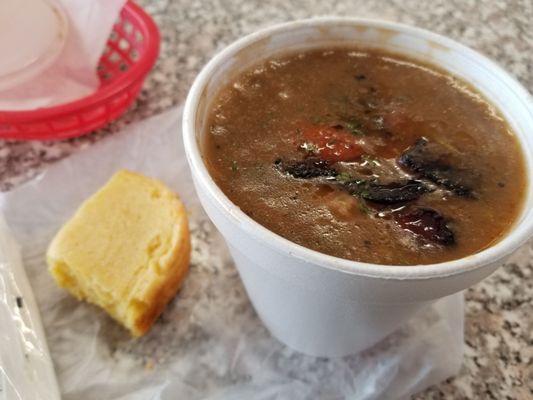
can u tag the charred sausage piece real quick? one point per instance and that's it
(395, 192)
(390, 193)
(430, 161)
(426, 223)
(308, 168)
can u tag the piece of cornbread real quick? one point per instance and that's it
(126, 249)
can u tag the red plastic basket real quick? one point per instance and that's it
(131, 51)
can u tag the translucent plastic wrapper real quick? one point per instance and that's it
(26, 370)
(209, 343)
(73, 74)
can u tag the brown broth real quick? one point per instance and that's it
(389, 102)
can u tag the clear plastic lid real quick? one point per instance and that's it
(32, 35)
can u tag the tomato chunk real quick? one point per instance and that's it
(332, 143)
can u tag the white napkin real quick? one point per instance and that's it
(73, 75)
(209, 343)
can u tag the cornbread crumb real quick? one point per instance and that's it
(126, 249)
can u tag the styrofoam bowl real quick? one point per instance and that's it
(319, 304)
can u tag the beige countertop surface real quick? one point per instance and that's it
(499, 310)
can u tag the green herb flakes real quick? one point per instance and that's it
(343, 177)
(352, 125)
(363, 207)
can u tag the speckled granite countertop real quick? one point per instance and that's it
(499, 311)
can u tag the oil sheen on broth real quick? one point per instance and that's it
(367, 156)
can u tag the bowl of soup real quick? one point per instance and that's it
(358, 170)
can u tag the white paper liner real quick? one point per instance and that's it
(209, 342)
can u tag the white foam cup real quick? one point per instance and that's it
(319, 304)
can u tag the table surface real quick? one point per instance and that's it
(499, 310)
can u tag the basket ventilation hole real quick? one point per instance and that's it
(134, 55)
(114, 57)
(123, 44)
(139, 36)
(128, 27)
(113, 36)
(107, 76)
